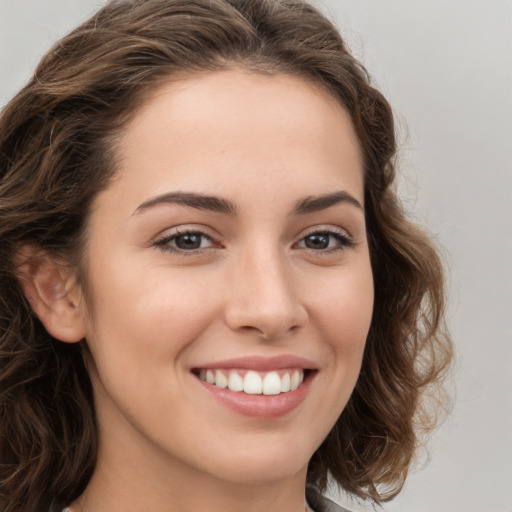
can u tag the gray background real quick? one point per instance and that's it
(446, 66)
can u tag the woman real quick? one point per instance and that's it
(210, 296)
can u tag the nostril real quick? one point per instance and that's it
(262, 332)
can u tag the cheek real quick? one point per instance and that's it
(145, 317)
(344, 310)
(342, 315)
(142, 331)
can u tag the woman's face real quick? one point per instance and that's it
(230, 250)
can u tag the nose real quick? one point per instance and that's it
(263, 299)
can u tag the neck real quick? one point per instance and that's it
(120, 495)
(130, 480)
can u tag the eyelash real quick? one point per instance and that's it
(343, 239)
(165, 243)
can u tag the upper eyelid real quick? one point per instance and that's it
(184, 229)
(213, 235)
(180, 230)
(325, 229)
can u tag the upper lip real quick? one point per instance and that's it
(260, 363)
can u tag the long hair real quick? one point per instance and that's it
(57, 151)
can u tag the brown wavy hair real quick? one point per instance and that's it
(57, 151)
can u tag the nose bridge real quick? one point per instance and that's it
(264, 297)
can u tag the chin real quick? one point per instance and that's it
(262, 472)
(258, 466)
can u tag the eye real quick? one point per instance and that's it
(188, 241)
(326, 241)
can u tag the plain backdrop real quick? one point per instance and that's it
(446, 67)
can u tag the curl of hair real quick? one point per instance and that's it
(57, 151)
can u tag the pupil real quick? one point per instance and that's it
(317, 241)
(189, 241)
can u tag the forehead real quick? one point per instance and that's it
(237, 96)
(237, 127)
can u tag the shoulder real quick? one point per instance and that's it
(320, 503)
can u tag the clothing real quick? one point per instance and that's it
(320, 503)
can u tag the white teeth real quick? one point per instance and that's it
(285, 383)
(271, 384)
(294, 383)
(235, 382)
(220, 379)
(254, 383)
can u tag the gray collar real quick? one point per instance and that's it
(320, 503)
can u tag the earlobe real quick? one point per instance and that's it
(51, 290)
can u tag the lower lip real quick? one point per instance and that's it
(260, 406)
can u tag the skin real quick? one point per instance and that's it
(254, 287)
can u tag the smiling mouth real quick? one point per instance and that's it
(252, 382)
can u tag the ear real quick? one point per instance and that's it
(52, 291)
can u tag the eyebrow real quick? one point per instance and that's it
(216, 204)
(198, 201)
(316, 203)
